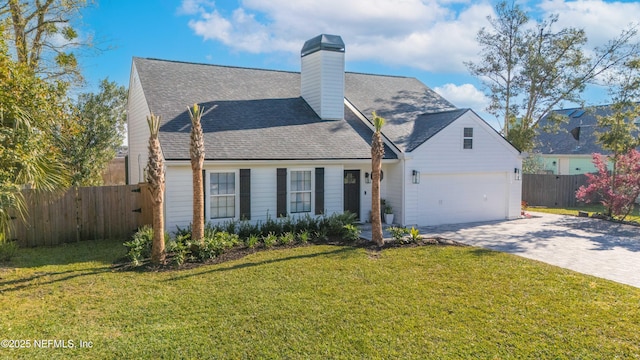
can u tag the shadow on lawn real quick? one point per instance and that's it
(341, 250)
(97, 251)
(47, 278)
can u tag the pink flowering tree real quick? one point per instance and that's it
(618, 191)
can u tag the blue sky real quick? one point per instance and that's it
(426, 39)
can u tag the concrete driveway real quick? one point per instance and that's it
(590, 246)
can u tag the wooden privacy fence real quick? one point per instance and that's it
(83, 213)
(551, 190)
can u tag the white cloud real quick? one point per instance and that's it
(602, 21)
(430, 35)
(212, 26)
(463, 96)
(427, 34)
(192, 7)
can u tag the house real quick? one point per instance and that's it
(569, 150)
(295, 143)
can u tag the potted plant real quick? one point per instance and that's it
(388, 214)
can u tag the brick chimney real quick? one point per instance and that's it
(322, 73)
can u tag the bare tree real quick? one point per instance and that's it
(42, 35)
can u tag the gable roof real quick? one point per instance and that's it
(563, 141)
(255, 114)
(407, 105)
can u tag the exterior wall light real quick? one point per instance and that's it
(415, 177)
(516, 173)
(367, 178)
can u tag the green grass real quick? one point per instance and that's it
(316, 302)
(591, 209)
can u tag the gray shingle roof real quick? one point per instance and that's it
(403, 102)
(563, 142)
(262, 116)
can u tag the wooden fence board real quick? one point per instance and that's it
(84, 213)
(551, 190)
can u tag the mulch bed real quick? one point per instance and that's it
(241, 251)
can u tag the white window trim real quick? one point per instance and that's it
(313, 192)
(236, 194)
(468, 137)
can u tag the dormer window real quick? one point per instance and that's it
(467, 138)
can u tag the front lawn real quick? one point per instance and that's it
(315, 301)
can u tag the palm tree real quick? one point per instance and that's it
(155, 179)
(377, 152)
(197, 159)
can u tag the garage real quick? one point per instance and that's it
(460, 198)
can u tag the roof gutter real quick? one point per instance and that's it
(243, 162)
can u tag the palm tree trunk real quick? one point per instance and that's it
(376, 221)
(197, 160)
(158, 253)
(197, 230)
(377, 152)
(155, 179)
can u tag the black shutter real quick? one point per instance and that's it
(319, 191)
(281, 186)
(245, 194)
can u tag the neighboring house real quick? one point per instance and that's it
(115, 173)
(569, 150)
(297, 143)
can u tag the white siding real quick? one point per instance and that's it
(322, 83)
(333, 189)
(178, 196)
(443, 153)
(138, 131)
(461, 185)
(263, 192)
(393, 192)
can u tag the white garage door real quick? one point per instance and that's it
(451, 199)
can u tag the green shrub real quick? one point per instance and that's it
(351, 232)
(270, 226)
(398, 233)
(183, 233)
(8, 249)
(287, 238)
(288, 225)
(304, 236)
(270, 239)
(211, 228)
(321, 234)
(230, 226)
(307, 223)
(215, 245)
(414, 234)
(246, 229)
(334, 224)
(140, 245)
(180, 248)
(252, 241)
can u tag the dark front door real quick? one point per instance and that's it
(352, 191)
